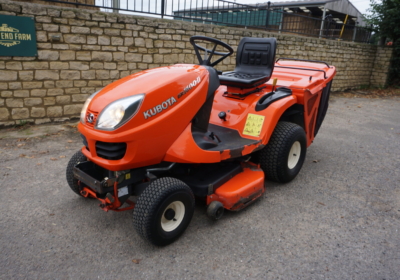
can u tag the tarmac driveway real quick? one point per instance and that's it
(339, 219)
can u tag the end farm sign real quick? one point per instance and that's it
(17, 36)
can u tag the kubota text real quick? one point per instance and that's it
(159, 108)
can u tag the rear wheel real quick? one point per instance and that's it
(163, 211)
(283, 156)
(72, 181)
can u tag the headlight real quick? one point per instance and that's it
(119, 112)
(85, 106)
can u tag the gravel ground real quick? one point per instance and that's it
(339, 219)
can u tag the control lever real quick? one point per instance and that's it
(222, 115)
(213, 136)
(274, 84)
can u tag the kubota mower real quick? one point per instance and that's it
(155, 140)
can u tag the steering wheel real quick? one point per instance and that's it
(207, 58)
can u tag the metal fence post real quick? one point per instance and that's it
(355, 31)
(329, 17)
(267, 19)
(322, 22)
(162, 8)
(115, 6)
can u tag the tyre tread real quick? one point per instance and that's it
(72, 182)
(272, 157)
(148, 203)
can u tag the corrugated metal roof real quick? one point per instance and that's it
(300, 3)
(341, 6)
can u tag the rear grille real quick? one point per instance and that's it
(111, 151)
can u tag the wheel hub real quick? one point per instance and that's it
(294, 155)
(169, 214)
(172, 216)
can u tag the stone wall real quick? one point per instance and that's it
(81, 51)
(380, 71)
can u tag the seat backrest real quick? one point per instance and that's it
(256, 56)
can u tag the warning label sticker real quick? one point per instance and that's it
(253, 125)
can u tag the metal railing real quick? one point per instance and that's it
(283, 22)
(226, 13)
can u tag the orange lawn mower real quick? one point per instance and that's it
(155, 140)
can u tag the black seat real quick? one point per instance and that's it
(255, 60)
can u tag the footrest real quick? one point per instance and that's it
(230, 139)
(209, 177)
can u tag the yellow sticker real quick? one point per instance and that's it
(254, 124)
(127, 176)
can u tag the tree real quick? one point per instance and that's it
(385, 17)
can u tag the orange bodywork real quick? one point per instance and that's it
(168, 137)
(147, 139)
(305, 92)
(161, 129)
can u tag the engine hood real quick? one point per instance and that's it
(171, 96)
(161, 83)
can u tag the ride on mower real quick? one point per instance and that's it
(155, 140)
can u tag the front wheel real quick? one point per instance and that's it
(72, 181)
(283, 156)
(163, 211)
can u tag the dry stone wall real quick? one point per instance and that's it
(381, 66)
(80, 51)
